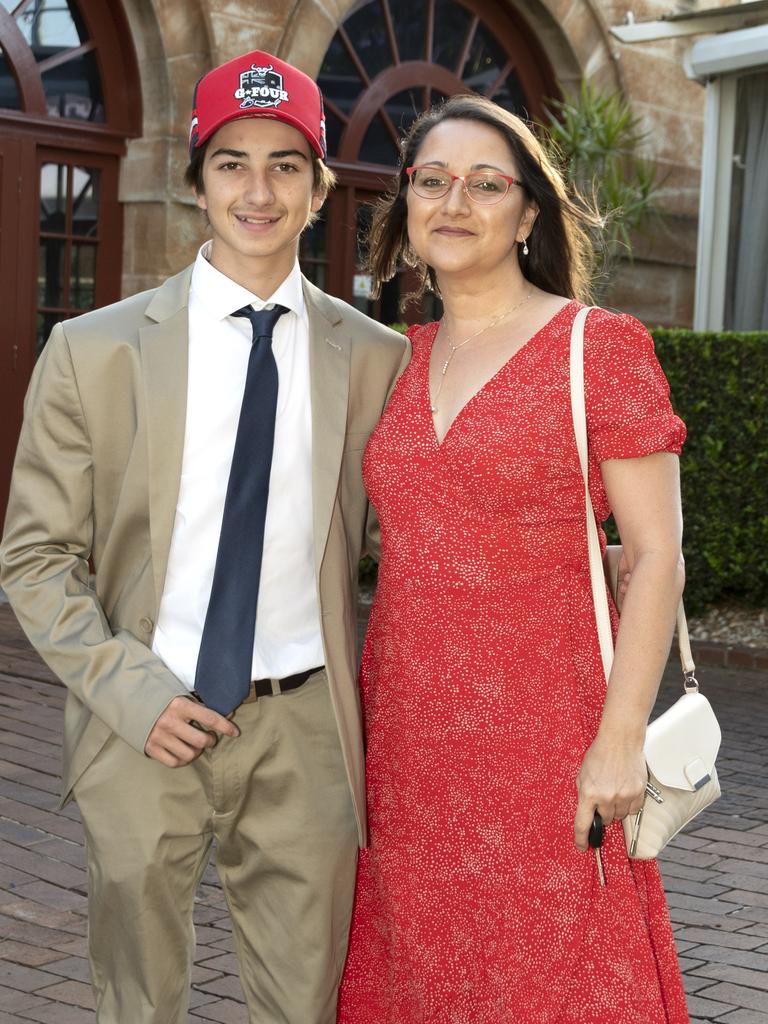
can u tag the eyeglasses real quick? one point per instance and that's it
(482, 188)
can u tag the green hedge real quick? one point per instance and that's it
(719, 385)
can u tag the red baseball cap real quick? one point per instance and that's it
(257, 85)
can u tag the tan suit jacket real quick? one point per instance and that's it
(97, 476)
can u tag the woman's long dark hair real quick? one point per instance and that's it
(560, 249)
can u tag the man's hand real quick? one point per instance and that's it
(175, 741)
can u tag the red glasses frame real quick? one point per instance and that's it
(463, 179)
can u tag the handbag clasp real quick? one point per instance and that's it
(691, 683)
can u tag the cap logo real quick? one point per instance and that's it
(260, 87)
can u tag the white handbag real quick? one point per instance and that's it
(681, 745)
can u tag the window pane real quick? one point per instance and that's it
(405, 107)
(313, 240)
(485, 61)
(364, 218)
(50, 273)
(378, 147)
(511, 96)
(50, 26)
(338, 79)
(82, 276)
(9, 91)
(451, 26)
(410, 28)
(85, 201)
(53, 198)
(45, 324)
(73, 89)
(746, 296)
(368, 34)
(315, 272)
(333, 131)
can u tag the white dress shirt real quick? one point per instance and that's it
(288, 637)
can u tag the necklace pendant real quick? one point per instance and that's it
(446, 364)
(433, 409)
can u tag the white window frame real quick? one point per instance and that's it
(719, 61)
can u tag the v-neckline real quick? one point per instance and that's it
(486, 384)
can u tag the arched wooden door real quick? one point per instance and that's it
(389, 61)
(69, 98)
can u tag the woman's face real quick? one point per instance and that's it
(454, 234)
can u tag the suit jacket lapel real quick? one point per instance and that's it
(329, 359)
(164, 356)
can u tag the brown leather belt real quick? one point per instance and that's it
(273, 687)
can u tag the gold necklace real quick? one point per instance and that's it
(455, 348)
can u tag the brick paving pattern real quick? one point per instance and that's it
(716, 874)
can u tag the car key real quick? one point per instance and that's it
(595, 840)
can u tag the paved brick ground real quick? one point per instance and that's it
(716, 874)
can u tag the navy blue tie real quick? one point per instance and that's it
(223, 675)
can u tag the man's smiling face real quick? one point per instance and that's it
(258, 195)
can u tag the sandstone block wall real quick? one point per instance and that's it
(178, 39)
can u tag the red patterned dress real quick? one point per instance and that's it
(482, 689)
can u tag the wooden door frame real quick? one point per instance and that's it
(18, 251)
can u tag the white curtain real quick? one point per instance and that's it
(747, 299)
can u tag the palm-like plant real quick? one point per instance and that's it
(597, 140)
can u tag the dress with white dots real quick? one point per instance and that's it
(482, 688)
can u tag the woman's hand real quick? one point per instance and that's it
(611, 780)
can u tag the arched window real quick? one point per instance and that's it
(389, 61)
(69, 97)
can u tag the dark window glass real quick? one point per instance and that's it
(511, 96)
(9, 91)
(85, 201)
(378, 146)
(312, 253)
(53, 198)
(338, 78)
(485, 62)
(73, 90)
(50, 273)
(45, 324)
(367, 31)
(82, 276)
(315, 272)
(313, 240)
(333, 130)
(409, 17)
(364, 218)
(452, 23)
(50, 26)
(404, 108)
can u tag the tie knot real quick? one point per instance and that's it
(262, 320)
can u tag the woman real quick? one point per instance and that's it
(491, 737)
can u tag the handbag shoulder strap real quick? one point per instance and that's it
(596, 574)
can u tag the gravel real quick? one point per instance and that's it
(730, 624)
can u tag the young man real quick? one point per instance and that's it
(201, 444)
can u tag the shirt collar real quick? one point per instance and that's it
(221, 296)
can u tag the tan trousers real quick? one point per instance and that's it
(276, 800)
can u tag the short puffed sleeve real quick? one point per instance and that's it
(627, 395)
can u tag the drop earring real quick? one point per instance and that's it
(525, 247)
